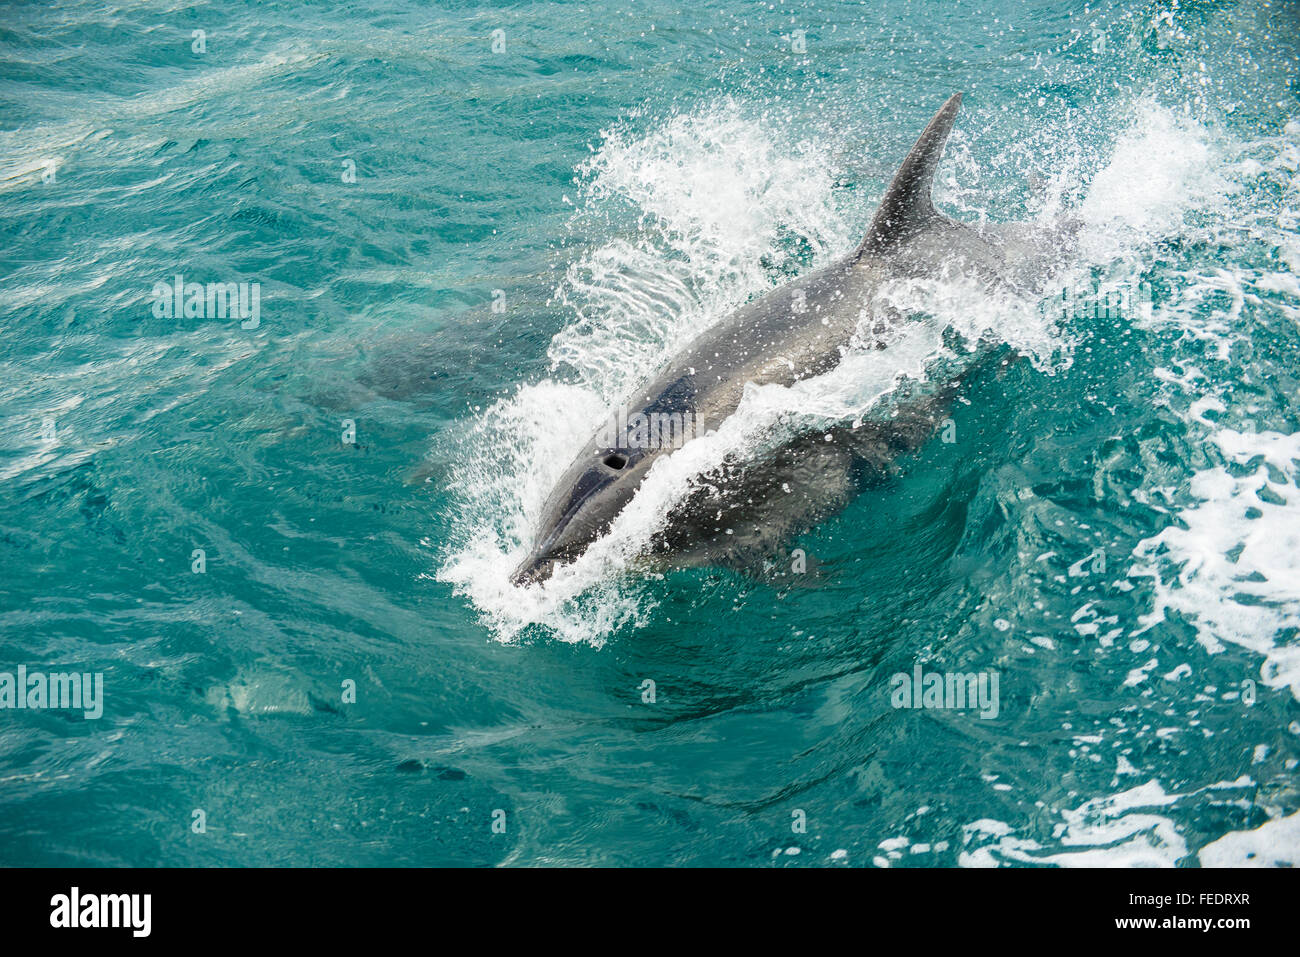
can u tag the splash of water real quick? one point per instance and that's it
(715, 200)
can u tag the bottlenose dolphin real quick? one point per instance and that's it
(797, 331)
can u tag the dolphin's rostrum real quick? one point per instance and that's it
(796, 331)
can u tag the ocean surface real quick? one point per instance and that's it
(283, 534)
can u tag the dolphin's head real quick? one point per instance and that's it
(583, 505)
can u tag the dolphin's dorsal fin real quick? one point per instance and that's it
(907, 206)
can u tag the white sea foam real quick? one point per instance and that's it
(1131, 828)
(1273, 844)
(1230, 564)
(713, 196)
(1163, 167)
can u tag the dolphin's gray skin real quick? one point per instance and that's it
(796, 331)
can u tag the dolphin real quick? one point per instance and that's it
(794, 332)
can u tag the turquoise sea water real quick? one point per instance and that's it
(467, 245)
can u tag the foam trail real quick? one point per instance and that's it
(1230, 565)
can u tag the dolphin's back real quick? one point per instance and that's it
(799, 329)
(791, 333)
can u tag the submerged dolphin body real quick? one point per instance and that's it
(795, 332)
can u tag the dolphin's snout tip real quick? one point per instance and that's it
(532, 571)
